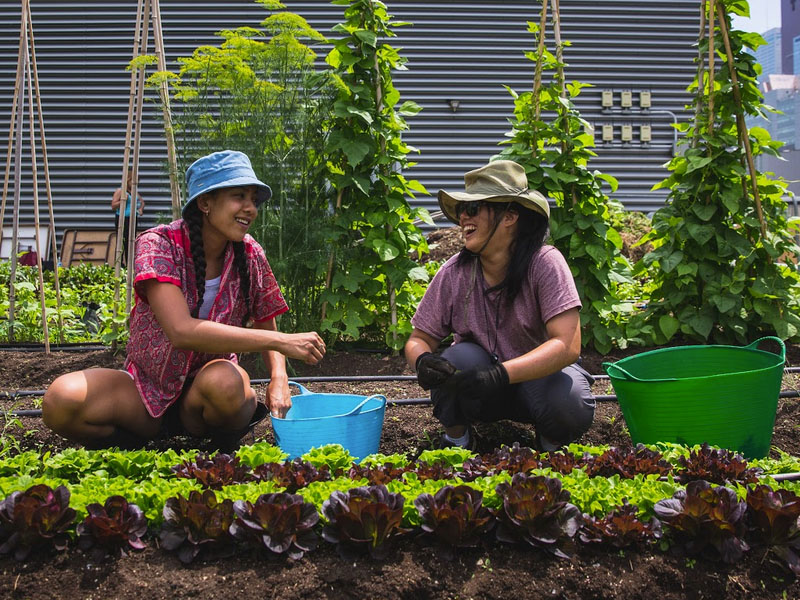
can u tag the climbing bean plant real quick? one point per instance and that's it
(370, 275)
(717, 272)
(555, 150)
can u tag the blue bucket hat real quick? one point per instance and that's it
(224, 169)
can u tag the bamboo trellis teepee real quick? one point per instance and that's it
(148, 13)
(28, 79)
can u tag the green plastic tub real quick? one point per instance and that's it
(724, 395)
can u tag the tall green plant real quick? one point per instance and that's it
(373, 231)
(260, 92)
(718, 271)
(555, 151)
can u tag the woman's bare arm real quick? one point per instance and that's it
(561, 349)
(187, 333)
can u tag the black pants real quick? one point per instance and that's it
(560, 406)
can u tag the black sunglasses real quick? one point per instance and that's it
(470, 208)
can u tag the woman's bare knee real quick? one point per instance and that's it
(91, 403)
(63, 400)
(224, 393)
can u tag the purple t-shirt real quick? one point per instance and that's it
(456, 302)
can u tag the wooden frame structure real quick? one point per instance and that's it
(148, 12)
(28, 78)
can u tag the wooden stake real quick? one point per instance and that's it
(46, 165)
(35, 178)
(17, 176)
(562, 85)
(743, 133)
(137, 140)
(700, 70)
(711, 74)
(169, 134)
(137, 37)
(537, 77)
(11, 128)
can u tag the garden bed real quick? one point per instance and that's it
(414, 569)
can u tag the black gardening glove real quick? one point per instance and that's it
(480, 382)
(433, 370)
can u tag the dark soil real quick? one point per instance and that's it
(413, 570)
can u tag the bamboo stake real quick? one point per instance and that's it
(562, 84)
(125, 162)
(537, 77)
(35, 177)
(11, 129)
(137, 140)
(17, 177)
(390, 287)
(743, 133)
(46, 165)
(711, 74)
(700, 70)
(169, 133)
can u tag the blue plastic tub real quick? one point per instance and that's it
(314, 420)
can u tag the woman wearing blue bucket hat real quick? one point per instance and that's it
(200, 282)
(512, 306)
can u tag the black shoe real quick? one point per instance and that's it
(472, 445)
(229, 442)
(541, 444)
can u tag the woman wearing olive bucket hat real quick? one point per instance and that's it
(199, 281)
(511, 304)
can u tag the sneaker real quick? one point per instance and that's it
(542, 444)
(472, 445)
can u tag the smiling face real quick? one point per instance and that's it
(229, 212)
(488, 227)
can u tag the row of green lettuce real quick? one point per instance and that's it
(147, 478)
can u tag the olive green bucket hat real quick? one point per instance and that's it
(499, 181)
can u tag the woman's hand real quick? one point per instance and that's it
(480, 382)
(308, 347)
(433, 370)
(279, 398)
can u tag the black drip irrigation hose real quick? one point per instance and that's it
(37, 412)
(55, 348)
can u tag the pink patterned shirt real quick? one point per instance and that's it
(163, 253)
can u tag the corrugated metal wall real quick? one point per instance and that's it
(457, 50)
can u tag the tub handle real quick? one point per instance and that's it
(303, 390)
(362, 403)
(782, 353)
(630, 377)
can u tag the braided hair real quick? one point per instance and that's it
(240, 261)
(531, 232)
(194, 221)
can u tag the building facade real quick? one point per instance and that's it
(769, 55)
(790, 36)
(463, 51)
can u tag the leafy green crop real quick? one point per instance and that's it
(556, 155)
(373, 224)
(718, 270)
(80, 285)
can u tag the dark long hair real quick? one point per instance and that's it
(531, 233)
(194, 221)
